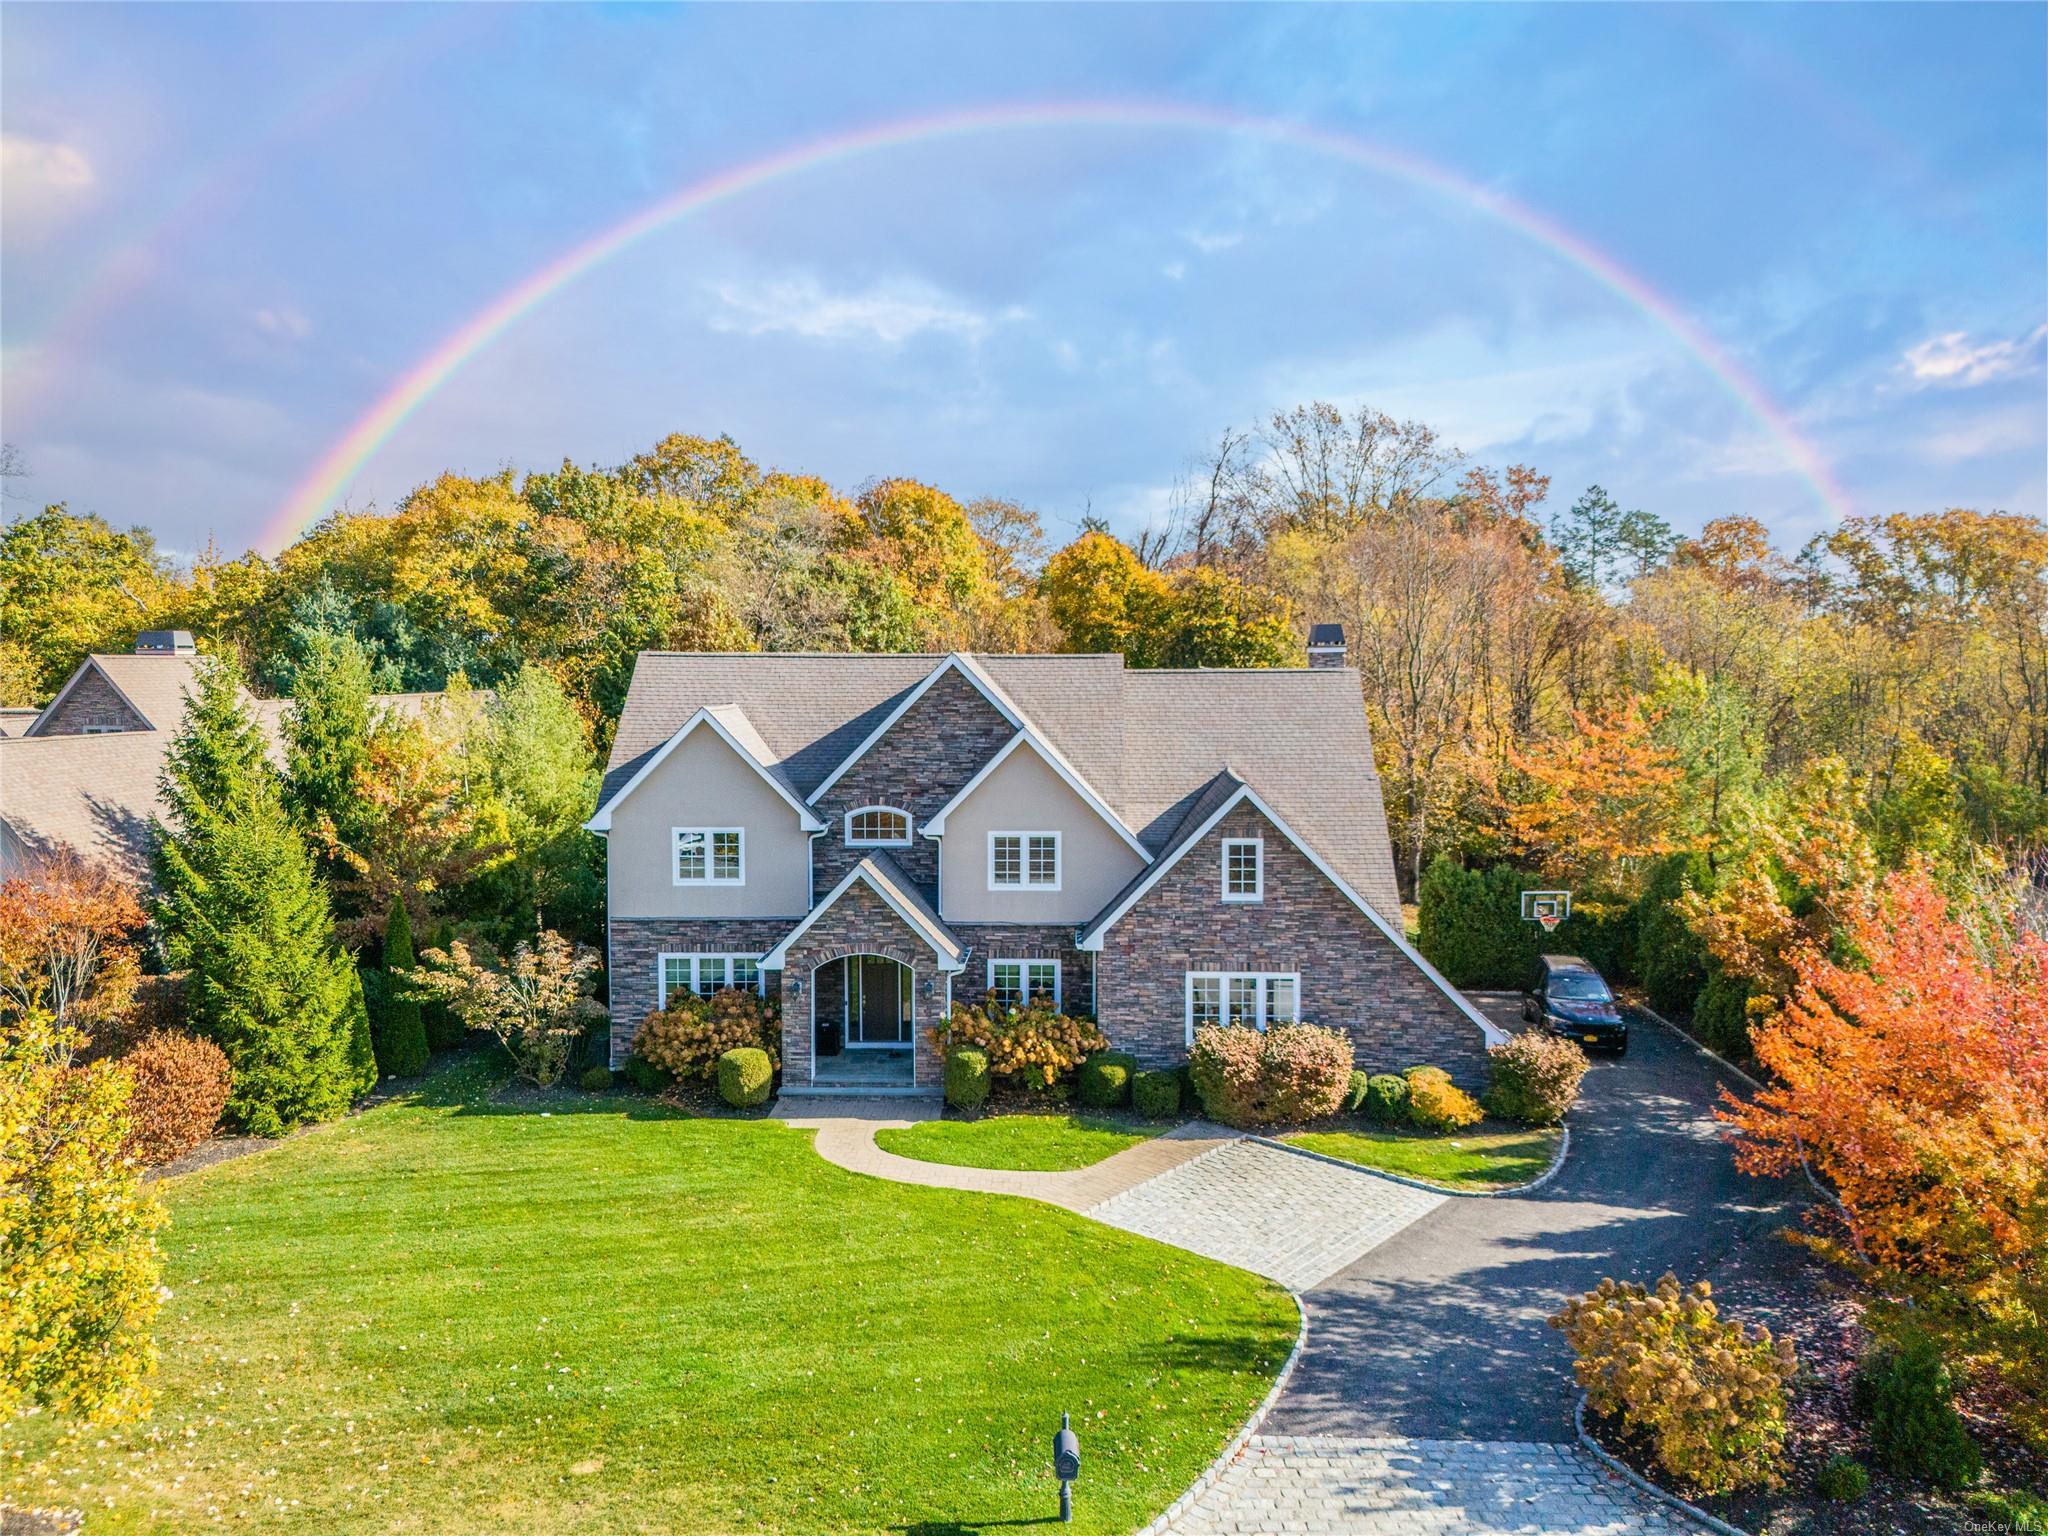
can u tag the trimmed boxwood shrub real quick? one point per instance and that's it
(1104, 1079)
(1354, 1094)
(1435, 1103)
(1535, 1078)
(745, 1077)
(967, 1077)
(1842, 1479)
(1907, 1392)
(595, 1079)
(646, 1076)
(1156, 1095)
(181, 1087)
(1288, 1074)
(1386, 1098)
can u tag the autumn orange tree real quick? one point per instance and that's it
(1914, 1081)
(67, 942)
(1595, 807)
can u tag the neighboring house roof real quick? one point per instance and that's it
(1147, 743)
(14, 721)
(882, 875)
(732, 726)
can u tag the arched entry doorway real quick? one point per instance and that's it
(863, 1020)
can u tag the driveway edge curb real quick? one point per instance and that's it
(1661, 1495)
(1564, 1146)
(1215, 1470)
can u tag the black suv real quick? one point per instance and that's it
(1571, 1000)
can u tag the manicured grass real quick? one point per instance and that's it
(1046, 1143)
(455, 1313)
(1485, 1157)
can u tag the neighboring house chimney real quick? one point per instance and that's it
(165, 642)
(1326, 645)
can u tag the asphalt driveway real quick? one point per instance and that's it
(1439, 1332)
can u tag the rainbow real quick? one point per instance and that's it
(328, 479)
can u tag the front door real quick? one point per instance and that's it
(877, 1002)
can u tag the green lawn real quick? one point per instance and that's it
(1482, 1158)
(1046, 1143)
(457, 1314)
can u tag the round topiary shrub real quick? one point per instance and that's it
(1535, 1078)
(745, 1077)
(596, 1079)
(1104, 1079)
(645, 1075)
(1908, 1394)
(967, 1077)
(181, 1086)
(1156, 1095)
(1435, 1103)
(1386, 1099)
(1354, 1095)
(1842, 1479)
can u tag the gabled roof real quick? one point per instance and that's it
(155, 687)
(731, 725)
(956, 662)
(1222, 794)
(935, 826)
(884, 876)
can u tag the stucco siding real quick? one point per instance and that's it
(705, 783)
(1025, 794)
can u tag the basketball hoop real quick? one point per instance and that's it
(1548, 908)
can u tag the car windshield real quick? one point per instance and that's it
(1580, 987)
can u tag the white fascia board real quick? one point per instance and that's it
(950, 960)
(1092, 939)
(601, 821)
(935, 826)
(953, 662)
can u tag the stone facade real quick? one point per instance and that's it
(93, 704)
(940, 743)
(637, 943)
(1024, 941)
(1352, 977)
(859, 923)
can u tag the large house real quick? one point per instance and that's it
(82, 772)
(879, 839)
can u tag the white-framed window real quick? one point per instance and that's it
(1023, 861)
(1012, 982)
(1244, 869)
(710, 856)
(1257, 998)
(878, 826)
(705, 974)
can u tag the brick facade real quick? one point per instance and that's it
(638, 942)
(859, 923)
(1025, 941)
(1352, 977)
(940, 743)
(93, 704)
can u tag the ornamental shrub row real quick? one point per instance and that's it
(687, 1038)
(1032, 1048)
(1287, 1074)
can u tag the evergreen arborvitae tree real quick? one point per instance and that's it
(243, 911)
(402, 1047)
(327, 739)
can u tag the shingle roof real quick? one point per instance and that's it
(1149, 742)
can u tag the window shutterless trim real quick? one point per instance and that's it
(661, 981)
(1262, 997)
(1024, 882)
(710, 836)
(878, 842)
(1024, 963)
(1258, 848)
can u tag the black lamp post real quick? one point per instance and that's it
(1066, 1466)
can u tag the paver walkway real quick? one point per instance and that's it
(1286, 1484)
(1291, 1218)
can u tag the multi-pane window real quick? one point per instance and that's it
(1259, 999)
(1011, 983)
(706, 974)
(709, 856)
(1244, 873)
(878, 826)
(1024, 860)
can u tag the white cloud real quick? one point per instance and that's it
(1209, 243)
(1953, 361)
(43, 179)
(284, 323)
(2005, 431)
(1175, 270)
(890, 312)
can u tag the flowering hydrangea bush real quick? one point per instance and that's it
(686, 1038)
(1026, 1047)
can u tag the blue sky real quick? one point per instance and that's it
(227, 232)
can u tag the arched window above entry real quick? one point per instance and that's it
(878, 826)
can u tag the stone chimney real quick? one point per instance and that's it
(1326, 646)
(165, 642)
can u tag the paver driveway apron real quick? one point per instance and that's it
(1289, 1217)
